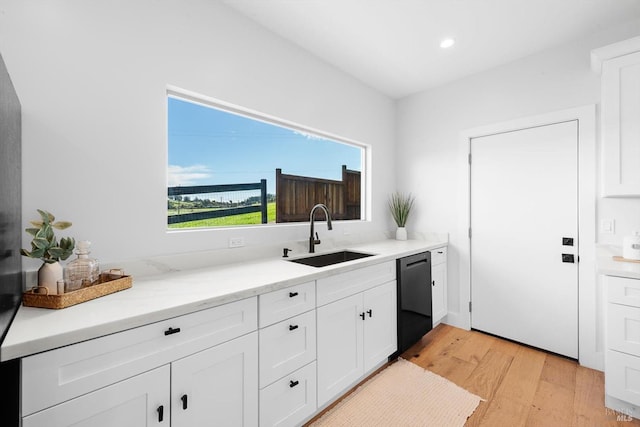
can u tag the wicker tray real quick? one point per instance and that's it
(107, 284)
(619, 258)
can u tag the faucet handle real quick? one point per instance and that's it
(317, 242)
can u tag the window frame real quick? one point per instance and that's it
(209, 102)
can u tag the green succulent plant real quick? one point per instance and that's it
(45, 245)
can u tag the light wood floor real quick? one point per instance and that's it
(522, 386)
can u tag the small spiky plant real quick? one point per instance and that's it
(400, 205)
(45, 245)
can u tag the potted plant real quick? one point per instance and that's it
(45, 246)
(400, 205)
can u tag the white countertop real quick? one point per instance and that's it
(610, 267)
(177, 292)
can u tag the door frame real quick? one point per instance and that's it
(590, 354)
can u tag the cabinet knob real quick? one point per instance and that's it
(184, 401)
(293, 294)
(172, 331)
(292, 327)
(160, 413)
(293, 383)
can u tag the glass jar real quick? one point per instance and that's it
(82, 271)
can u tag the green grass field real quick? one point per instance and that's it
(228, 221)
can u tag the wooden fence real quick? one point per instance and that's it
(222, 212)
(296, 195)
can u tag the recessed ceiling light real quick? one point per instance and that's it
(447, 43)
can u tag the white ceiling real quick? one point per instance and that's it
(393, 45)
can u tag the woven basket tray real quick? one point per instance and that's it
(107, 284)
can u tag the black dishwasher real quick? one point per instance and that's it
(414, 299)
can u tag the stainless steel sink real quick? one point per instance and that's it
(324, 260)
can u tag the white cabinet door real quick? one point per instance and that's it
(622, 376)
(217, 386)
(620, 126)
(290, 400)
(439, 291)
(139, 401)
(380, 325)
(340, 338)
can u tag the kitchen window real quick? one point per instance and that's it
(230, 167)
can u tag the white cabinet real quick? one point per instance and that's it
(287, 355)
(217, 386)
(355, 334)
(289, 400)
(208, 360)
(439, 283)
(622, 352)
(140, 401)
(620, 109)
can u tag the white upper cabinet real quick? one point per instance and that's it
(620, 109)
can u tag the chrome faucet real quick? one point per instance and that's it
(314, 240)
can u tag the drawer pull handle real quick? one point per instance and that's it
(160, 413)
(172, 331)
(292, 383)
(184, 401)
(440, 252)
(293, 327)
(370, 312)
(293, 294)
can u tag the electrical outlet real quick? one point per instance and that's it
(608, 226)
(236, 242)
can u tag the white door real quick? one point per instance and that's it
(523, 203)
(380, 325)
(340, 337)
(139, 401)
(217, 386)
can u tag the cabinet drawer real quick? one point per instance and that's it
(291, 400)
(55, 376)
(343, 285)
(622, 379)
(621, 290)
(287, 346)
(438, 255)
(623, 328)
(284, 303)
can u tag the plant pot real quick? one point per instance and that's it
(401, 233)
(48, 276)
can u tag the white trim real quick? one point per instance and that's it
(588, 352)
(601, 54)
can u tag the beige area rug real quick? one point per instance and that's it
(403, 394)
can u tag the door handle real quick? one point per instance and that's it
(184, 401)
(160, 413)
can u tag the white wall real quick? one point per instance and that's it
(429, 126)
(92, 77)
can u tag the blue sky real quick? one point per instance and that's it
(210, 146)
